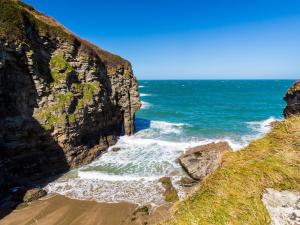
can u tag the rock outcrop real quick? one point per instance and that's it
(283, 206)
(34, 194)
(292, 98)
(201, 161)
(63, 101)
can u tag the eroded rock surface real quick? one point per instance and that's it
(63, 101)
(34, 194)
(292, 98)
(203, 160)
(283, 206)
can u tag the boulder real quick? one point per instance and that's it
(292, 98)
(170, 193)
(34, 194)
(201, 161)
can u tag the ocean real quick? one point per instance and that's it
(175, 115)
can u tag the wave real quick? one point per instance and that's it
(132, 173)
(140, 192)
(112, 177)
(141, 86)
(145, 105)
(144, 94)
(263, 126)
(167, 128)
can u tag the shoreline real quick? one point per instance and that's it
(55, 208)
(58, 209)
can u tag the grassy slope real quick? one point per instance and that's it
(232, 194)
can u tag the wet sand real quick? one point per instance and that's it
(61, 210)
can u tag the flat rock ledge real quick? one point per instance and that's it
(202, 160)
(283, 206)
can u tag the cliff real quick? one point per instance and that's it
(63, 100)
(292, 98)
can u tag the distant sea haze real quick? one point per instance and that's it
(176, 115)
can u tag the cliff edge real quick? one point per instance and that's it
(63, 100)
(292, 98)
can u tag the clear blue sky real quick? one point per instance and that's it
(204, 39)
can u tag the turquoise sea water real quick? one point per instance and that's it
(175, 116)
(213, 108)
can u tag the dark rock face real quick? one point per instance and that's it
(201, 161)
(292, 98)
(63, 101)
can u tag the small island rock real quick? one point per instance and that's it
(292, 98)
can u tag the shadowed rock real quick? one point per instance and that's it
(34, 194)
(200, 161)
(292, 98)
(63, 101)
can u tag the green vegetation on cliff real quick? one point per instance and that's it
(60, 68)
(57, 113)
(16, 16)
(232, 194)
(11, 19)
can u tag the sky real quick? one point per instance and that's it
(190, 39)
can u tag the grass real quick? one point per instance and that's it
(15, 14)
(16, 17)
(11, 20)
(232, 194)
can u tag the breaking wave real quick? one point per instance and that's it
(145, 105)
(132, 173)
(145, 95)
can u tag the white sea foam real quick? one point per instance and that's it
(111, 177)
(132, 173)
(145, 105)
(141, 86)
(263, 126)
(166, 127)
(136, 191)
(144, 95)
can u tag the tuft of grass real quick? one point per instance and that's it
(86, 91)
(60, 68)
(232, 194)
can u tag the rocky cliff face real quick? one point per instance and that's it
(63, 101)
(292, 98)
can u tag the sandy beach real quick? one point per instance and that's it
(61, 210)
